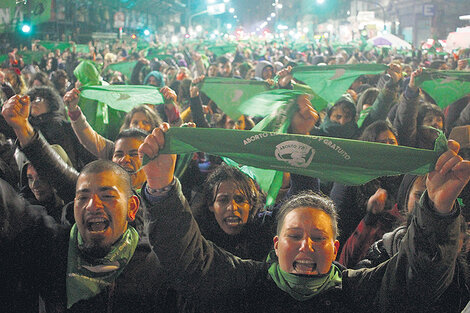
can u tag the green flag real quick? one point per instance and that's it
(223, 49)
(350, 162)
(330, 82)
(445, 87)
(125, 68)
(30, 57)
(82, 48)
(123, 97)
(229, 93)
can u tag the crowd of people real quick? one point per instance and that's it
(100, 221)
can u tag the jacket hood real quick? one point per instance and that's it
(158, 76)
(261, 66)
(87, 74)
(348, 100)
(368, 96)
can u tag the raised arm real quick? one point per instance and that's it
(88, 137)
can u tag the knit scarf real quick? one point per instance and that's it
(299, 287)
(87, 277)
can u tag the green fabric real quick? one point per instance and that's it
(87, 277)
(350, 162)
(305, 287)
(30, 57)
(331, 82)
(230, 93)
(280, 105)
(123, 97)
(40, 11)
(87, 74)
(362, 116)
(125, 68)
(82, 49)
(223, 49)
(445, 87)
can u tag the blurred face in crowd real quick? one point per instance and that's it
(102, 208)
(231, 208)
(431, 119)
(41, 189)
(140, 120)
(306, 244)
(153, 81)
(39, 106)
(212, 70)
(387, 137)
(268, 73)
(126, 155)
(225, 69)
(340, 115)
(231, 124)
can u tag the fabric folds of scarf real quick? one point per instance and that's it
(87, 277)
(303, 287)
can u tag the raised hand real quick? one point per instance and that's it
(376, 203)
(160, 170)
(71, 99)
(16, 111)
(448, 179)
(305, 118)
(168, 94)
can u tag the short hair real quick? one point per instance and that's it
(100, 166)
(312, 200)
(152, 116)
(132, 133)
(426, 108)
(51, 96)
(372, 131)
(242, 181)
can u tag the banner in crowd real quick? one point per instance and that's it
(126, 68)
(445, 87)
(123, 97)
(350, 162)
(331, 82)
(12, 13)
(230, 93)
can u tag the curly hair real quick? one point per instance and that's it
(50, 96)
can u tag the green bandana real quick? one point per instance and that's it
(85, 278)
(302, 288)
(350, 162)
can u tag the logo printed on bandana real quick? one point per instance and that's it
(295, 153)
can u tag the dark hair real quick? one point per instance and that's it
(312, 200)
(52, 97)
(132, 133)
(41, 77)
(372, 131)
(151, 115)
(100, 166)
(247, 186)
(222, 60)
(426, 108)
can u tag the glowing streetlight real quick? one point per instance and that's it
(273, 14)
(231, 10)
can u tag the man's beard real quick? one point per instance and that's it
(94, 250)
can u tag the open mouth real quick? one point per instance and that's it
(304, 266)
(97, 224)
(233, 221)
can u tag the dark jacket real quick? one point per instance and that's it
(56, 130)
(34, 262)
(415, 276)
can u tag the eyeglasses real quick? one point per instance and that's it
(38, 99)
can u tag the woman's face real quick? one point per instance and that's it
(39, 106)
(212, 71)
(306, 243)
(431, 119)
(231, 208)
(140, 120)
(387, 137)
